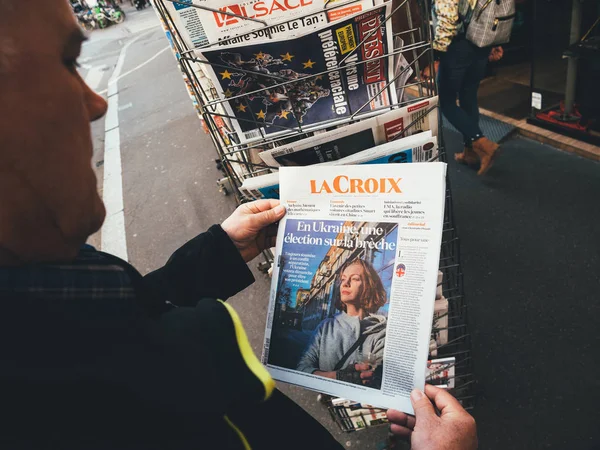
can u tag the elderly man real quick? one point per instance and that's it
(95, 355)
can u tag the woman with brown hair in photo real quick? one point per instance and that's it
(349, 346)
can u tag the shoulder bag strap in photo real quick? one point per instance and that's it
(357, 344)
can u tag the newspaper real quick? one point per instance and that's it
(402, 69)
(353, 138)
(357, 257)
(441, 372)
(418, 148)
(336, 73)
(201, 27)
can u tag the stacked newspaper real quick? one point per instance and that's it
(351, 303)
(316, 73)
(317, 63)
(373, 141)
(270, 70)
(354, 416)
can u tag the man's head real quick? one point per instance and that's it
(49, 202)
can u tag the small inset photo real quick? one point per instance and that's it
(400, 270)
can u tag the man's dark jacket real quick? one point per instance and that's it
(93, 355)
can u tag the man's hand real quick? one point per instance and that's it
(252, 227)
(454, 429)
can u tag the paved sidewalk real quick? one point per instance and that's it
(530, 254)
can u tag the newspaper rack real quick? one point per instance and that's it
(239, 161)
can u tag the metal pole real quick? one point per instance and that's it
(576, 16)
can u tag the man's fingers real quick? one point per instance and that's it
(401, 424)
(444, 401)
(421, 404)
(361, 367)
(265, 218)
(258, 206)
(401, 431)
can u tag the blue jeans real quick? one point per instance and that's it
(461, 70)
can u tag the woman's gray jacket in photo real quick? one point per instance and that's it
(334, 337)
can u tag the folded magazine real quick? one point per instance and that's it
(355, 278)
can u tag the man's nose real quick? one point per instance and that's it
(95, 104)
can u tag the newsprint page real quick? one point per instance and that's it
(357, 259)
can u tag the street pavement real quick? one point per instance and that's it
(529, 242)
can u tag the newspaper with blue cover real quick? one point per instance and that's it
(339, 72)
(350, 139)
(421, 147)
(355, 278)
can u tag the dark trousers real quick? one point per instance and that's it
(461, 70)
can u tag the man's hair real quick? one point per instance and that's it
(373, 295)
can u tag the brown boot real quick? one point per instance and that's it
(487, 151)
(468, 156)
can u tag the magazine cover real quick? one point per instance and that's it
(276, 86)
(352, 296)
(200, 27)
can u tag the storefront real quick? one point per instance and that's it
(550, 68)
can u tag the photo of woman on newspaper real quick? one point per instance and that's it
(332, 300)
(349, 346)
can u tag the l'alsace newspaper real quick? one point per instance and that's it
(223, 20)
(357, 257)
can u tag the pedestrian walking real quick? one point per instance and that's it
(467, 35)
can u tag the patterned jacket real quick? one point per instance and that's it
(447, 14)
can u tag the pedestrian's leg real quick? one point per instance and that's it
(454, 66)
(482, 147)
(467, 95)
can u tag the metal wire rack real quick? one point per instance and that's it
(239, 160)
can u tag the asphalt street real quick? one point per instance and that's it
(529, 243)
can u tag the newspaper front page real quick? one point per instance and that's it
(201, 27)
(274, 87)
(354, 283)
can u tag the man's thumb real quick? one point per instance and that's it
(270, 216)
(421, 404)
